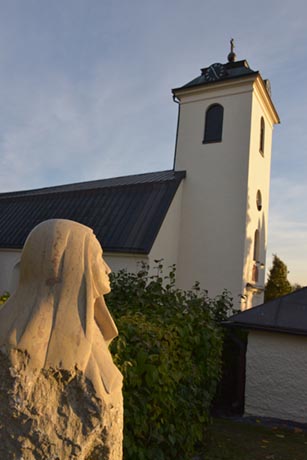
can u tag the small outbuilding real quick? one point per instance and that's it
(276, 357)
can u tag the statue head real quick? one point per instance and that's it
(57, 313)
(59, 251)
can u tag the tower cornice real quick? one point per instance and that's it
(244, 84)
(223, 87)
(266, 98)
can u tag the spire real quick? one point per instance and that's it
(232, 55)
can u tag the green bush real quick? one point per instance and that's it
(169, 350)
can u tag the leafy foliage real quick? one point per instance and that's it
(169, 350)
(277, 284)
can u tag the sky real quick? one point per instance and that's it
(85, 92)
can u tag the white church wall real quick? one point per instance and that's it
(215, 190)
(119, 261)
(258, 180)
(166, 245)
(276, 376)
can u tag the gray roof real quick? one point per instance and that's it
(236, 69)
(285, 314)
(126, 213)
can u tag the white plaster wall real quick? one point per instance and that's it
(215, 190)
(258, 179)
(219, 212)
(131, 263)
(276, 376)
(8, 260)
(166, 245)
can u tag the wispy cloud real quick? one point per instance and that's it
(85, 91)
(288, 227)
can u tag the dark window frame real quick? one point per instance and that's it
(256, 246)
(213, 124)
(259, 200)
(262, 136)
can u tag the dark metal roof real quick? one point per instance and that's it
(125, 213)
(286, 314)
(236, 69)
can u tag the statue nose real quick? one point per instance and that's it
(108, 269)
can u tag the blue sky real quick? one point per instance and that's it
(85, 92)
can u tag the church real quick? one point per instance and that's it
(208, 215)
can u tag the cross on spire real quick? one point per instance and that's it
(232, 55)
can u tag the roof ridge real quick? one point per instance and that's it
(96, 184)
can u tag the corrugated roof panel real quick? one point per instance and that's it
(159, 201)
(125, 217)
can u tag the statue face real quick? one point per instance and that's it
(101, 271)
(104, 280)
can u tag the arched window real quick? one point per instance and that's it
(255, 273)
(214, 124)
(256, 246)
(262, 132)
(259, 200)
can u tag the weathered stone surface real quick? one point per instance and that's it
(54, 414)
(60, 394)
(58, 313)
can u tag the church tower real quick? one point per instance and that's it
(224, 136)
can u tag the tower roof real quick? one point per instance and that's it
(228, 71)
(223, 73)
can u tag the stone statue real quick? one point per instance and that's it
(54, 335)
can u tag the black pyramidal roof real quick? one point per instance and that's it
(237, 69)
(285, 314)
(126, 213)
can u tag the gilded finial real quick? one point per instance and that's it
(232, 55)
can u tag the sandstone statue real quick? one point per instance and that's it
(60, 392)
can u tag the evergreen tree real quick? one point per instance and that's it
(277, 284)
